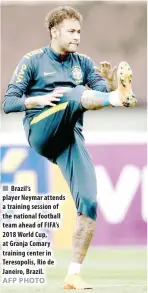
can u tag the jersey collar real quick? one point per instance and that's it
(58, 57)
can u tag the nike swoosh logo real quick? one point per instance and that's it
(49, 73)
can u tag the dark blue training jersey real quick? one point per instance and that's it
(41, 71)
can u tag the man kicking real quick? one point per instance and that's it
(55, 85)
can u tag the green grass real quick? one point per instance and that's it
(109, 270)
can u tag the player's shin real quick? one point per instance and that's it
(82, 237)
(94, 100)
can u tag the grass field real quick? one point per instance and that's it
(109, 270)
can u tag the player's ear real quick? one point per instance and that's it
(54, 32)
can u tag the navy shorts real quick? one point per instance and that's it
(55, 135)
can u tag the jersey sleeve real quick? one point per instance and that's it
(93, 79)
(14, 99)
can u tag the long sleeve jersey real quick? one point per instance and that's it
(41, 71)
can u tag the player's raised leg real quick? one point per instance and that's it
(91, 99)
(78, 170)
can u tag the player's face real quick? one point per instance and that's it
(68, 35)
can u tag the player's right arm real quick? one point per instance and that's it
(15, 100)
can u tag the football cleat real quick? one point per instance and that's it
(75, 282)
(124, 78)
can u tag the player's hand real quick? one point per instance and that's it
(109, 72)
(106, 70)
(51, 98)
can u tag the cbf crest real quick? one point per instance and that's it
(77, 74)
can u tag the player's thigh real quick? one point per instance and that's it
(50, 131)
(78, 170)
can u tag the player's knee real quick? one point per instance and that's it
(90, 207)
(76, 93)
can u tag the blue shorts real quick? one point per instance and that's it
(55, 134)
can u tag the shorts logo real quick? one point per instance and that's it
(77, 73)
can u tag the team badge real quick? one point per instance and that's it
(77, 73)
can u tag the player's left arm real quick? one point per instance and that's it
(100, 79)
